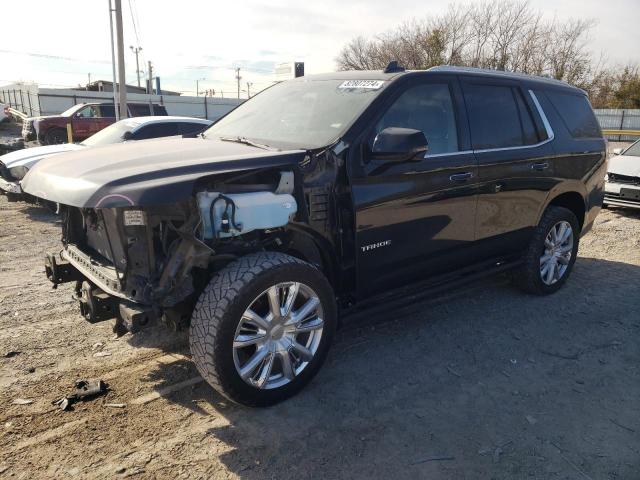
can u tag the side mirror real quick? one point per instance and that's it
(617, 151)
(127, 135)
(399, 144)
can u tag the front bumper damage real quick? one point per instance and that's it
(12, 188)
(622, 194)
(96, 304)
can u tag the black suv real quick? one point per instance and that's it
(321, 195)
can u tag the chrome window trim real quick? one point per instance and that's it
(448, 154)
(545, 120)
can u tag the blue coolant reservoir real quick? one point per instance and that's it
(253, 211)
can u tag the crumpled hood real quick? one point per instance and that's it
(27, 157)
(151, 172)
(625, 165)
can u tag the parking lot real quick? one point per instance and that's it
(482, 383)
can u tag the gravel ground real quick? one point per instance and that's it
(483, 383)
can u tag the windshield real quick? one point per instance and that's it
(633, 150)
(112, 134)
(298, 114)
(70, 111)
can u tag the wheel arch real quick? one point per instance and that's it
(307, 245)
(571, 200)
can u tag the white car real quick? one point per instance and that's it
(15, 165)
(622, 187)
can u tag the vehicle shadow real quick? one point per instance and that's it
(39, 213)
(484, 383)
(624, 212)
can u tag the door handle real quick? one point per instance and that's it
(460, 177)
(539, 166)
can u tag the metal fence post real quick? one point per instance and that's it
(30, 109)
(621, 124)
(206, 110)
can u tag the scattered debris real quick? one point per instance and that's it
(102, 354)
(622, 426)
(115, 405)
(531, 419)
(453, 372)
(513, 361)
(97, 345)
(12, 353)
(434, 459)
(85, 389)
(573, 356)
(120, 470)
(22, 401)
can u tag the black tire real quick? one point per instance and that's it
(220, 308)
(55, 136)
(528, 276)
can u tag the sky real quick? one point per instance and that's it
(59, 43)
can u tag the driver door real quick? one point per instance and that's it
(85, 122)
(416, 218)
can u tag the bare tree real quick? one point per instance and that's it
(499, 34)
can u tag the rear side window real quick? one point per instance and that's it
(157, 130)
(159, 110)
(187, 128)
(576, 114)
(499, 117)
(108, 111)
(139, 110)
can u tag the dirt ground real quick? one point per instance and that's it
(484, 383)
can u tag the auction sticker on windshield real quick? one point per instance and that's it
(369, 84)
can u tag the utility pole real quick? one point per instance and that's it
(198, 86)
(121, 73)
(238, 78)
(150, 85)
(88, 81)
(136, 50)
(113, 63)
(249, 89)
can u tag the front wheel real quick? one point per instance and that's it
(55, 136)
(551, 253)
(262, 327)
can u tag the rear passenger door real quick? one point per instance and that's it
(511, 143)
(415, 219)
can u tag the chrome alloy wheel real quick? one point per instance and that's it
(278, 335)
(558, 248)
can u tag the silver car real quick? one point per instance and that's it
(15, 165)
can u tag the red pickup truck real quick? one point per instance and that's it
(85, 120)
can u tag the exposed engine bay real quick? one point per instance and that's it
(141, 264)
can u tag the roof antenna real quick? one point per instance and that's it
(393, 67)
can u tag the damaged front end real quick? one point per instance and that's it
(144, 264)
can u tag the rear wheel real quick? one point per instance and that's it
(55, 136)
(551, 253)
(262, 328)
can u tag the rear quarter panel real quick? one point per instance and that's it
(579, 164)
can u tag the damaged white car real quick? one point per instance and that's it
(622, 187)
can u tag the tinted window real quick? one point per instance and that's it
(428, 108)
(138, 110)
(159, 110)
(187, 128)
(529, 132)
(156, 130)
(108, 111)
(576, 113)
(495, 117)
